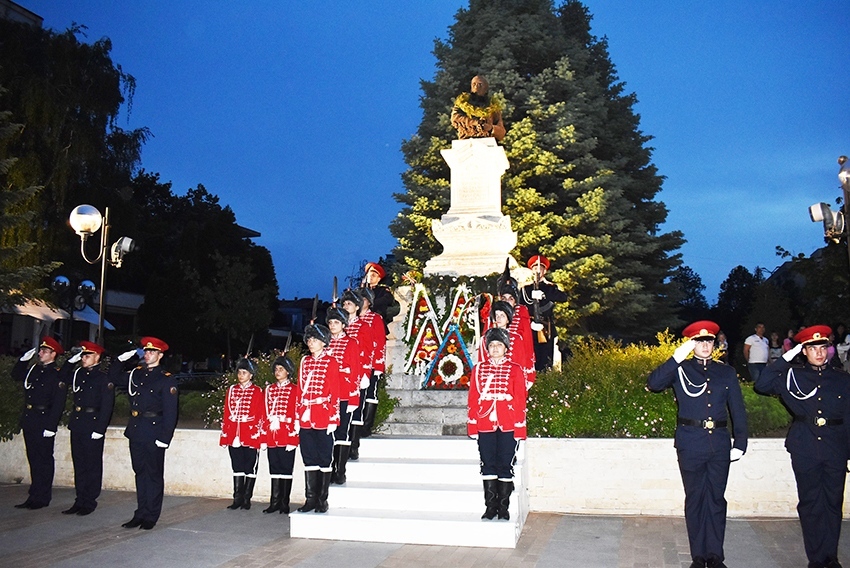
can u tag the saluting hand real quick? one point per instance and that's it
(681, 353)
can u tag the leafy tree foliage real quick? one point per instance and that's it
(692, 304)
(581, 186)
(735, 301)
(818, 285)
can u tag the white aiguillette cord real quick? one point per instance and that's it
(791, 377)
(683, 377)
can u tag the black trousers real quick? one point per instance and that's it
(820, 489)
(87, 455)
(281, 462)
(149, 466)
(342, 435)
(244, 460)
(704, 477)
(543, 353)
(40, 458)
(317, 449)
(498, 452)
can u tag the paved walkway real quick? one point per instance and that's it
(200, 532)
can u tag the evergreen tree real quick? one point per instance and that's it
(735, 302)
(580, 188)
(692, 306)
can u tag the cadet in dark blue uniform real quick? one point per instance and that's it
(819, 398)
(540, 300)
(708, 395)
(45, 389)
(94, 397)
(153, 418)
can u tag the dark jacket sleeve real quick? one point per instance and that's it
(663, 376)
(738, 413)
(169, 409)
(771, 378)
(107, 404)
(60, 395)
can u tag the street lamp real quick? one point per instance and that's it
(86, 221)
(834, 221)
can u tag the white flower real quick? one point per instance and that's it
(447, 361)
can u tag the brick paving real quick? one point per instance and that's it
(201, 532)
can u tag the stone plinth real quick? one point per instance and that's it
(476, 237)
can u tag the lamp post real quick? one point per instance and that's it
(834, 221)
(844, 178)
(86, 221)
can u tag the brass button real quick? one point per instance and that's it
(78, 408)
(135, 413)
(29, 407)
(709, 424)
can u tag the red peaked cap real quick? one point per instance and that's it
(89, 347)
(539, 258)
(51, 343)
(814, 335)
(377, 268)
(154, 343)
(700, 329)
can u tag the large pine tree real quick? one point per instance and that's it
(581, 187)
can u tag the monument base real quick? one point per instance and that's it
(473, 245)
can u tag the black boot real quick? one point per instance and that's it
(354, 449)
(274, 502)
(505, 489)
(369, 410)
(238, 491)
(249, 492)
(699, 562)
(325, 480)
(335, 463)
(311, 490)
(339, 474)
(714, 561)
(285, 490)
(491, 499)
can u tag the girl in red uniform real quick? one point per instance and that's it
(241, 431)
(280, 437)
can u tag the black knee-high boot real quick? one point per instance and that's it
(505, 489)
(491, 499)
(339, 465)
(335, 463)
(311, 490)
(249, 492)
(274, 502)
(238, 491)
(354, 449)
(324, 489)
(369, 411)
(285, 490)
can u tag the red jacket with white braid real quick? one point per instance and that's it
(362, 333)
(319, 382)
(378, 337)
(347, 352)
(497, 397)
(518, 351)
(244, 417)
(280, 401)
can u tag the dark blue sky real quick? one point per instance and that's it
(293, 114)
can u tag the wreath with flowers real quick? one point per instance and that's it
(469, 109)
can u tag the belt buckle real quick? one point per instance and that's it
(708, 424)
(820, 421)
(134, 413)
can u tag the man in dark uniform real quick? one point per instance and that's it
(45, 389)
(385, 304)
(819, 398)
(708, 395)
(540, 297)
(94, 397)
(153, 418)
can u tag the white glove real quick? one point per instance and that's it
(126, 355)
(297, 426)
(28, 355)
(378, 375)
(76, 357)
(48, 434)
(536, 326)
(290, 448)
(264, 447)
(161, 444)
(735, 454)
(331, 428)
(537, 294)
(96, 436)
(793, 352)
(351, 409)
(474, 436)
(681, 353)
(364, 382)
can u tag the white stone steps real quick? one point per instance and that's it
(459, 447)
(410, 497)
(464, 472)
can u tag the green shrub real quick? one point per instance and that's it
(11, 400)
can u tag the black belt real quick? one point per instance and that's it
(819, 420)
(146, 414)
(88, 409)
(37, 407)
(707, 424)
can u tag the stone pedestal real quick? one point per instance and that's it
(476, 237)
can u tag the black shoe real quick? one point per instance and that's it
(147, 525)
(25, 505)
(132, 523)
(833, 563)
(33, 506)
(699, 562)
(84, 511)
(73, 510)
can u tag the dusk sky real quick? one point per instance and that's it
(293, 113)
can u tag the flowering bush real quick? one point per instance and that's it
(601, 393)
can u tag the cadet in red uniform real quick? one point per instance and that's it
(377, 355)
(317, 415)
(94, 398)
(818, 396)
(346, 351)
(45, 389)
(242, 428)
(153, 418)
(281, 438)
(497, 398)
(363, 335)
(522, 343)
(708, 396)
